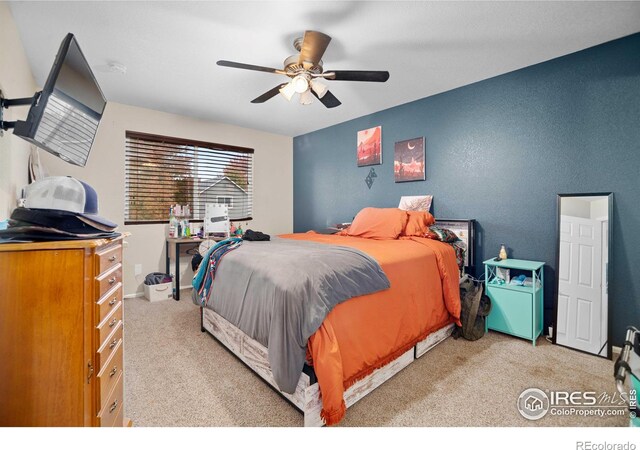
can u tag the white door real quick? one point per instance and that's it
(580, 284)
(605, 287)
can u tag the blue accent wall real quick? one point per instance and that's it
(499, 151)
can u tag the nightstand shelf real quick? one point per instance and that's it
(516, 310)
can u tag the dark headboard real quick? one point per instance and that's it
(466, 231)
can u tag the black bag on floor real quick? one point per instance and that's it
(475, 308)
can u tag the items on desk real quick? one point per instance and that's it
(172, 223)
(216, 219)
(236, 231)
(179, 221)
(181, 211)
(503, 252)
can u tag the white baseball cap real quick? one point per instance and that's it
(65, 194)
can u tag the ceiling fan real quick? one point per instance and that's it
(305, 70)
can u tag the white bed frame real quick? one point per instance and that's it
(307, 396)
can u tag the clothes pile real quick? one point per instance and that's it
(203, 279)
(251, 235)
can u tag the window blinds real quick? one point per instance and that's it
(162, 171)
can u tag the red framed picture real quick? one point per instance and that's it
(369, 149)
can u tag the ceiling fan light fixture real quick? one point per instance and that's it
(303, 71)
(319, 88)
(306, 98)
(288, 90)
(300, 83)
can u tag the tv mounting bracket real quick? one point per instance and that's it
(8, 103)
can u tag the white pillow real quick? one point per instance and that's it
(415, 202)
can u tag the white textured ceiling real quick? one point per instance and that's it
(171, 48)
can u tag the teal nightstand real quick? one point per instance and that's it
(516, 310)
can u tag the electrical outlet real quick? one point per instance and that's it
(138, 269)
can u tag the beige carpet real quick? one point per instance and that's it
(178, 376)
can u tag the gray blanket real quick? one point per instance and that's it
(279, 292)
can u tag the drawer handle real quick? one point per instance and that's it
(113, 371)
(113, 344)
(113, 406)
(113, 302)
(113, 322)
(112, 259)
(112, 280)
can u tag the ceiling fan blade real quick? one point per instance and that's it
(314, 44)
(328, 99)
(357, 75)
(237, 65)
(269, 94)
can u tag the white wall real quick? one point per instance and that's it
(576, 207)
(273, 161)
(600, 208)
(16, 81)
(273, 179)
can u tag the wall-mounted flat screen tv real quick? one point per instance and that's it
(64, 117)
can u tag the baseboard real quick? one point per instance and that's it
(141, 294)
(615, 352)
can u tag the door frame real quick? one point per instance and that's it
(609, 254)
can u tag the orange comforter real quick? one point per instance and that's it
(369, 331)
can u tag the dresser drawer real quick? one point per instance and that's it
(108, 280)
(109, 257)
(109, 324)
(119, 421)
(108, 302)
(109, 346)
(110, 373)
(111, 407)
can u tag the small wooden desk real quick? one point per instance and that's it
(177, 243)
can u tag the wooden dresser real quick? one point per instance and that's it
(61, 334)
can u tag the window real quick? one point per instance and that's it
(162, 171)
(225, 201)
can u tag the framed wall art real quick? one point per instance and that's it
(409, 160)
(369, 146)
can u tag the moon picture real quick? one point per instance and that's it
(409, 160)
